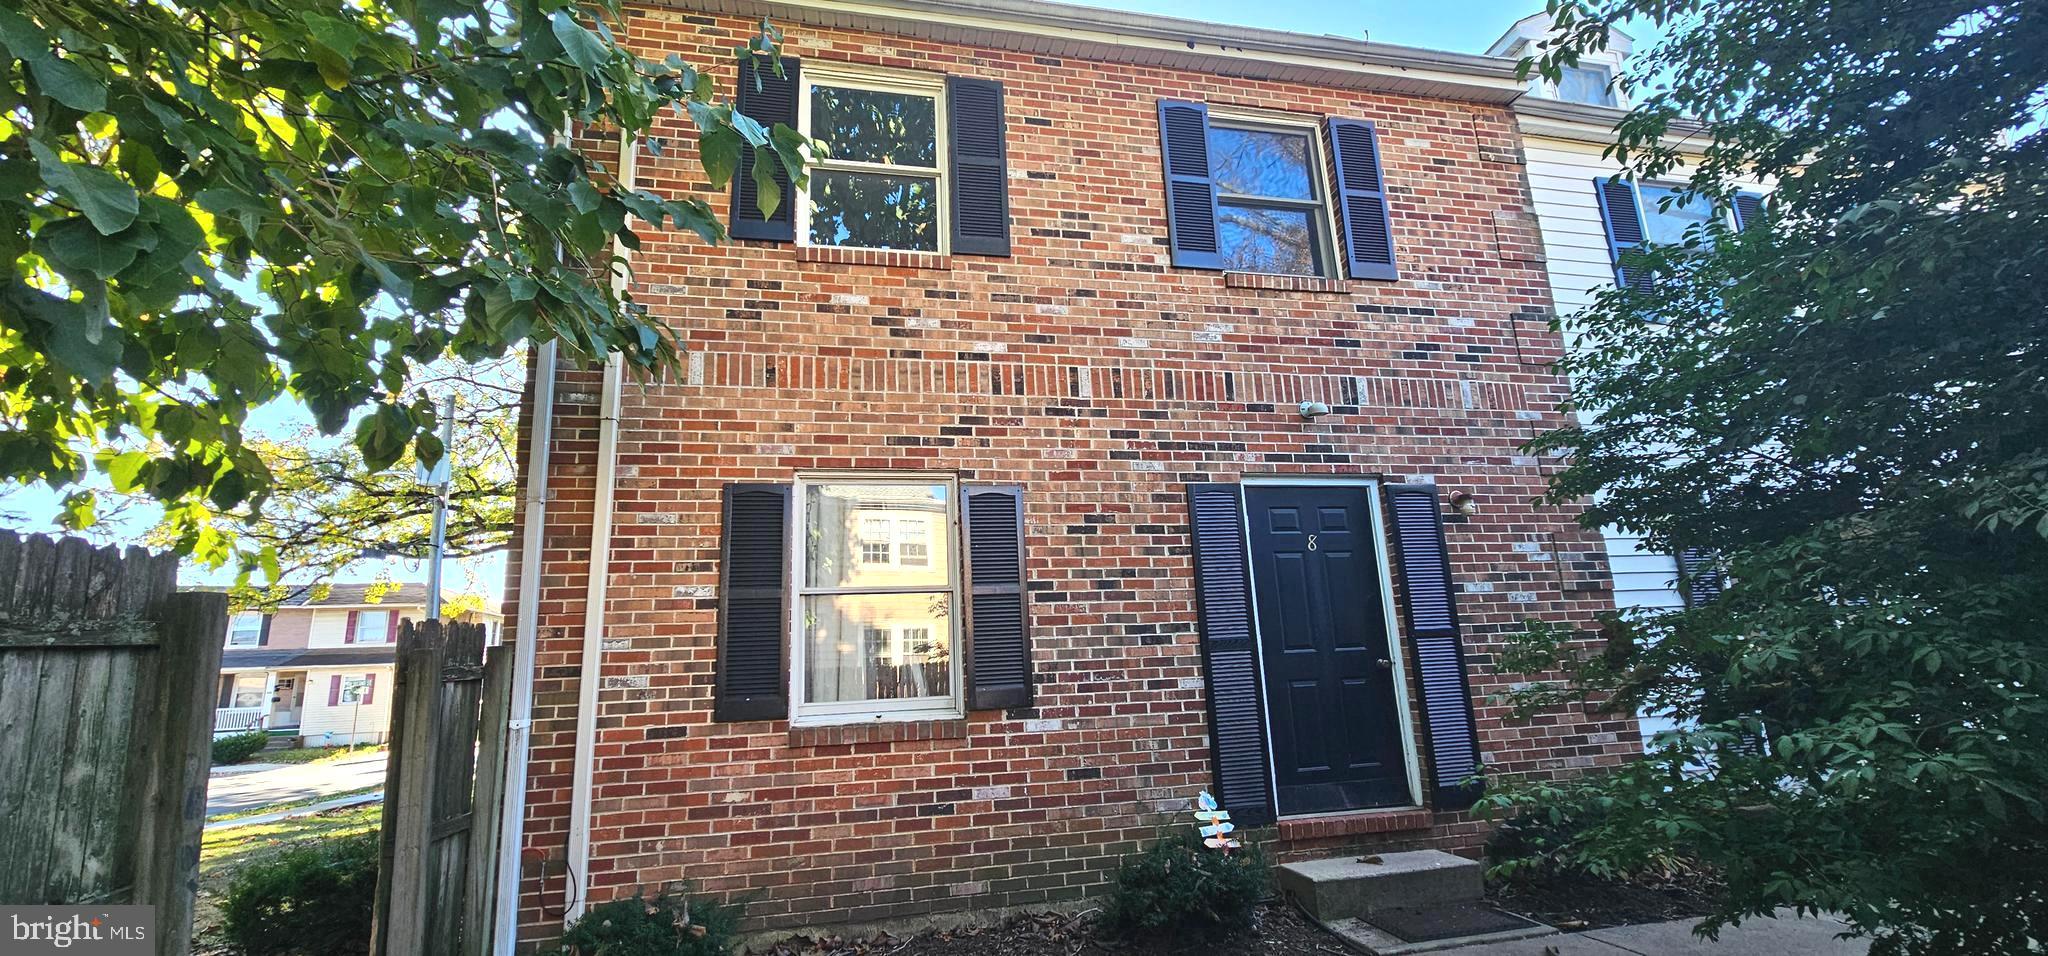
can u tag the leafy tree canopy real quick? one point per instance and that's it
(1849, 405)
(212, 206)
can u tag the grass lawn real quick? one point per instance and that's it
(225, 852)
(315, 754)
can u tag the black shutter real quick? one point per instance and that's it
(1362, 199)
(998, 631)
(1230, 654)
(1432, 608)
(1624, 224)
(1190, 192)
(981, 184)
(753, 605)
(1699, 576)
(263, 636)
(1749, 210)
(773, 102)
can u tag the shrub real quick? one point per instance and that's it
(654, 927)
(312, 900)
(235, 748)
(1181, 884)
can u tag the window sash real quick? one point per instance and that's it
(804, 712)
(880, 81)
(240, 637)
(1322, 221)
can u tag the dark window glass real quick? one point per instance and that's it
(1266, 239)
(871, 126)
(874, 211)
(1250, 162)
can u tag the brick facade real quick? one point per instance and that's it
(1088, 370)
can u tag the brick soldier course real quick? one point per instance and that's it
(1086, 369)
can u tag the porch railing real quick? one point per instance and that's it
(234, 720)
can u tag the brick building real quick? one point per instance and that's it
(1131, 407)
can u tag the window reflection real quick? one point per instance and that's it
(1260, 163)
(874, 211)
(877, 647)
(1668, 226)
(875, 126)
(1267, 240)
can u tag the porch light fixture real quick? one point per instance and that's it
(1310, 411)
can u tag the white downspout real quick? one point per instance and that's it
(519, 736)
(594, 602)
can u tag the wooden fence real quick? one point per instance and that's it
(107, 682)
(441, 793)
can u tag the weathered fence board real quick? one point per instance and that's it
(106, 685)
(438, 791)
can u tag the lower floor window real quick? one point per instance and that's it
(354, 689)
(876, 638)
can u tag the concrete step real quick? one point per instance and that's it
(1354, 886)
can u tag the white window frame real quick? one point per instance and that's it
(1329, 259)
(1645, 209)
(383, 615)
(234, 629)
(359, 683)
(880, 81)
(1590, 66)
(803, 714)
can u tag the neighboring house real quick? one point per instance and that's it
(1130, 407)
(319, 667)
(1589, 218)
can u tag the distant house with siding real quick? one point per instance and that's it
(318, 667)
(1588, 219)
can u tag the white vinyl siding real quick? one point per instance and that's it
(329, 629)
(347, 723)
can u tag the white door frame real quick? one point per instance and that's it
(1396, 644)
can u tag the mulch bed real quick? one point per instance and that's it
(1576, 902)
(1278, 929)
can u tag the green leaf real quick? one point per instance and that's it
(69, 84)
(768, 192)
(77, 248)
(581, 46)
(125, 470)
(105, 199)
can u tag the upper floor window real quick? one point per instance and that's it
(1666, 219)
(880, 183)
(246, 630)
(875, 638)
(373, 627)
(1587, 84)
(1270, 212)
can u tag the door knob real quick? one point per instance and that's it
(1386, 665)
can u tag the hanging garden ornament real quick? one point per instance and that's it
(1216, 825)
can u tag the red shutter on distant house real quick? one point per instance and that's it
(334, 691)
(391, 629)
(348, 634)
(369, 689)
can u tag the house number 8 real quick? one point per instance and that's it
(1311, 542)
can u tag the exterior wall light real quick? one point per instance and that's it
(1463, 503)
(1314, 410)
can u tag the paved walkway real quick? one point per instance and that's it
(338, 803)
(1757, 937)
(285, 783)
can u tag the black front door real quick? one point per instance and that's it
(1323, 641)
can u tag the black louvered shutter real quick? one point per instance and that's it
(1432, 608)
(998, 623)
(1362, 199)
(263, 636)
(1230, 654)
(981, 178)
(753, 601)
(1190, 191)
(1624, 223)
(1699, 576)
(1749, 210)
(774, 101)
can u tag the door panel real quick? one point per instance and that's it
(1324, 645)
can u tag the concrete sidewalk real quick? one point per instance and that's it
(289, 783)
(1758, 937)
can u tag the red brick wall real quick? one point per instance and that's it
(1088, 370)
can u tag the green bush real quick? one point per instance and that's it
(1181, 884)
(235, 748)
(654, 927)
(310, 901)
